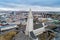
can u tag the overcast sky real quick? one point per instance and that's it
(28, 3)
(51, 3)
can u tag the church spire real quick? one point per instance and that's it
(29, 25)
(30, 14)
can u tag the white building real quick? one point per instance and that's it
(29, 26)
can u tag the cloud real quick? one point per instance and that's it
(22, 7)
(54, 3)
(25, 7)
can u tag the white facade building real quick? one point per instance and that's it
(29, 26)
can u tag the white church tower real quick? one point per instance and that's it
(29, 26)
